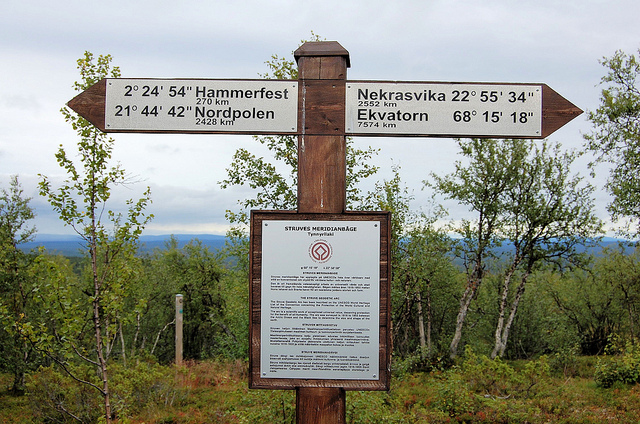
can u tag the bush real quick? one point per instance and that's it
(565, 361)
(497, 379)
(623, 368)
(488, 376)
(58, 398)
(454, 395)
(143, 385)
(417, 362)
(534, 375)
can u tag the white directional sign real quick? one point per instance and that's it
(454, 109)
(201, 105)
(371, 108)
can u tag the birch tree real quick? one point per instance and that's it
(422, 272)
(109, 238)
(615, 138)
(524, 198)
(549, 217)
(479, 185)
(274, 179)
(16, 289)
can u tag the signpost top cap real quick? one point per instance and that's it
(322, 48)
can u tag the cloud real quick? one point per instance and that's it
(558, 43)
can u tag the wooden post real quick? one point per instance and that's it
(179, 324)
(322, 73)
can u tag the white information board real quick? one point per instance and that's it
(320, 299)
(253, 106)
(455, 109)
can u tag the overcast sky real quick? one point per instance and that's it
(555, 42)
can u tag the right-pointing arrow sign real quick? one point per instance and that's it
(556, 111)
(436, 109)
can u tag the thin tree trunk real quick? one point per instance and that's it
(99, 350)
(632, 322)
(630, 310)
(159, 333)
(465, 302)
(19, 373)
(19, 310)
(474, 279)
(503, 307)
(124, 351)
(423, 342)
(108, 339)
(96, 302)
(135, 337)
(429, 320)
(407, 320)
(512, 315)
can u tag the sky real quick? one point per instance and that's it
(559, 43)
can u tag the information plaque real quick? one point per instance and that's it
(323, 300)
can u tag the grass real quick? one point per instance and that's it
(13, 409)
(216, 392)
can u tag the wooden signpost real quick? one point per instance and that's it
(320, 319)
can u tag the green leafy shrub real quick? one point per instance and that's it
(58, 398)
(489, 376)
(144, 385)
(494, 378)
(417, 362)
(623, 368)
(565, 360)
(454, 395)
(534, 375)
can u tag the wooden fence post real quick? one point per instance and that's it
(179, 324)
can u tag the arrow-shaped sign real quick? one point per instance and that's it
(436, 109)
(414, 109)
(191, 106)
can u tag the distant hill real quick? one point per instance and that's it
(606, 242)
(69, 245)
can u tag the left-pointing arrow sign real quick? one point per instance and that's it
(191, 106)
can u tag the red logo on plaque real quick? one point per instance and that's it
(320, 251)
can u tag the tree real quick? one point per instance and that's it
(524, 197)
(479, 185)
(623, 271)
(619, 268)
(109, 241)
(616, 136)
(16, 290)
(429, 278)
(275, 182)
(197, 273)
(548, 217)
(420, 267)
(599, 301)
